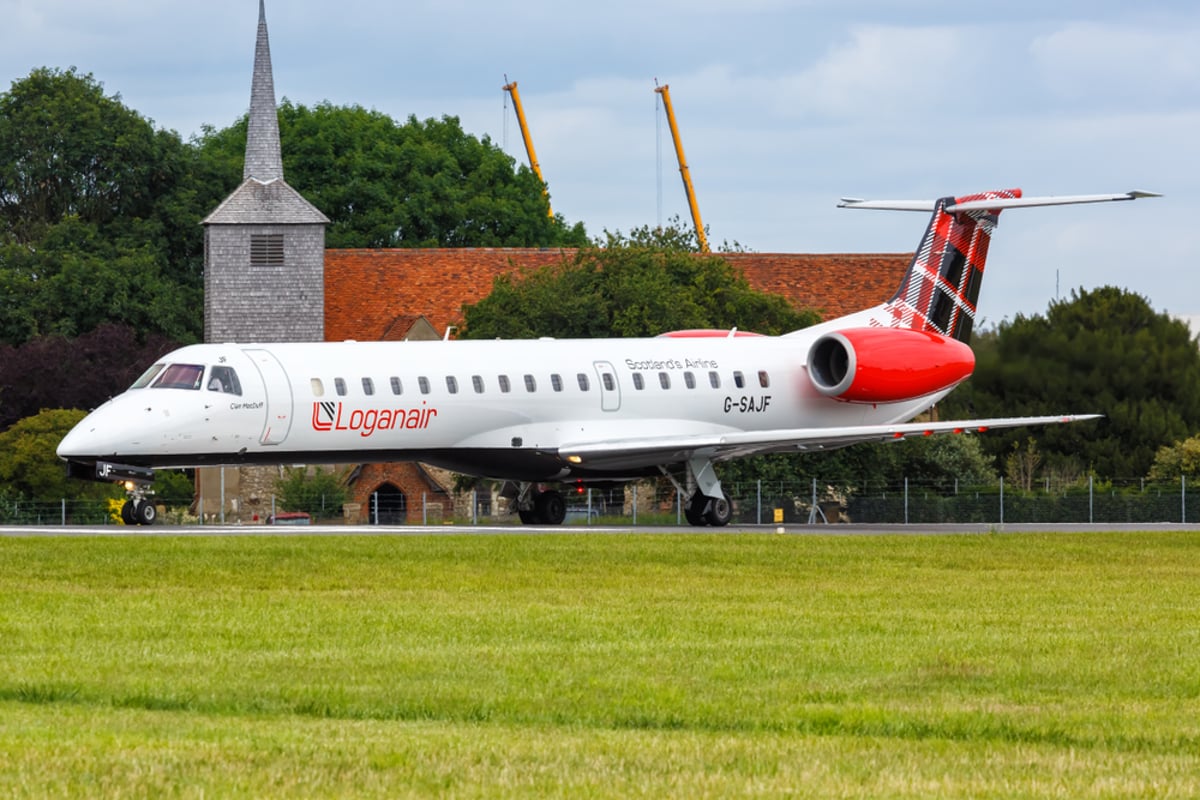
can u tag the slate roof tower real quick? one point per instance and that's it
(264, 246)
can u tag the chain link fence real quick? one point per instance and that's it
(652, 503)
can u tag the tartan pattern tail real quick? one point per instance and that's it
(940, 291)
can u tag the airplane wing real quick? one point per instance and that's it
(720, 447)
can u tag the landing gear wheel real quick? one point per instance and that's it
(551, 508)
(527, 517)
(144, 512)
(127, 513)
(694, 510)
(719, 512)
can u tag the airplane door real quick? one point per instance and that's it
(279, 396)
(610, 390)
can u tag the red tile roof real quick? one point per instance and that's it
(367, 290)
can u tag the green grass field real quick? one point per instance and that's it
(596, 665)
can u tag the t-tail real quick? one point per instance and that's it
(940, 290)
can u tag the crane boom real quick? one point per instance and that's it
(511, 88)
(683, 167)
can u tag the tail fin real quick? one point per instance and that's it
(940, 291)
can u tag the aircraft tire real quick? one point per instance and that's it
(719, 512)
(127, 513)
(694, 510)
(551, 508)
(144, 512)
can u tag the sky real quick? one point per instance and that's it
(783, 106)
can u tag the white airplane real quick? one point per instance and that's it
(536, 412)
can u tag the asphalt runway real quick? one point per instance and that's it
(537, 530)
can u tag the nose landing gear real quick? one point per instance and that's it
(138, 510)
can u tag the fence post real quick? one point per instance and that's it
(589, 508)
(635, 504)
(64, 511)
(905, 499)
(1091, 501)
(1001, 499)
(424, 509)
(758, 501)
(475, 506)
(1183, 499)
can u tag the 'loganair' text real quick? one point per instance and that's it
(332, 417)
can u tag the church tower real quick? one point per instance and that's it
(264, 277)
(264, 246)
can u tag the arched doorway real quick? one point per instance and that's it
(388, 506)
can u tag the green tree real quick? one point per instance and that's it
(417, 184)
(320, 493)
(1104, 351)
(638, 285)
(1181, 458)
(99, 213)
(939, 462)
(29, 465)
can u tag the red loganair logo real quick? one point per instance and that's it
(332, 417)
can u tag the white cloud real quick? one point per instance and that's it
(1114, 63)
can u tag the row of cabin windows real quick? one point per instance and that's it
(556, 383)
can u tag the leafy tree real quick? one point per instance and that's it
(320, 493)
(99, 213)
(940, 462)
(29, 465)
(416, 184)
(640, 285)
(1181, 458)
(1103, 351)
(57, 372)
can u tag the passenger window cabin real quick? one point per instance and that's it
(339, 386)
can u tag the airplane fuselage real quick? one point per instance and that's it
(491, 408)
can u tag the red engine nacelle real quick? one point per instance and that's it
(884, 365)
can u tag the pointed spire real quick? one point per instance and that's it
(264, 159)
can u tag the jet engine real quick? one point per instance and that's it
(883, 365)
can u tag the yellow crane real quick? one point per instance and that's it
(683, 168)
(511, 88)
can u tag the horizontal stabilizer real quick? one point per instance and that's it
(994, 204)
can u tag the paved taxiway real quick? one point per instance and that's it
(516, 530)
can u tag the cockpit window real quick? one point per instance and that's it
(180, 376)
(147, 376)
(224, 379)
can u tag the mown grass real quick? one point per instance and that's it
(640, 665)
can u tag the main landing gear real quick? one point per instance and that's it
(708, 505)
(540, 507)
